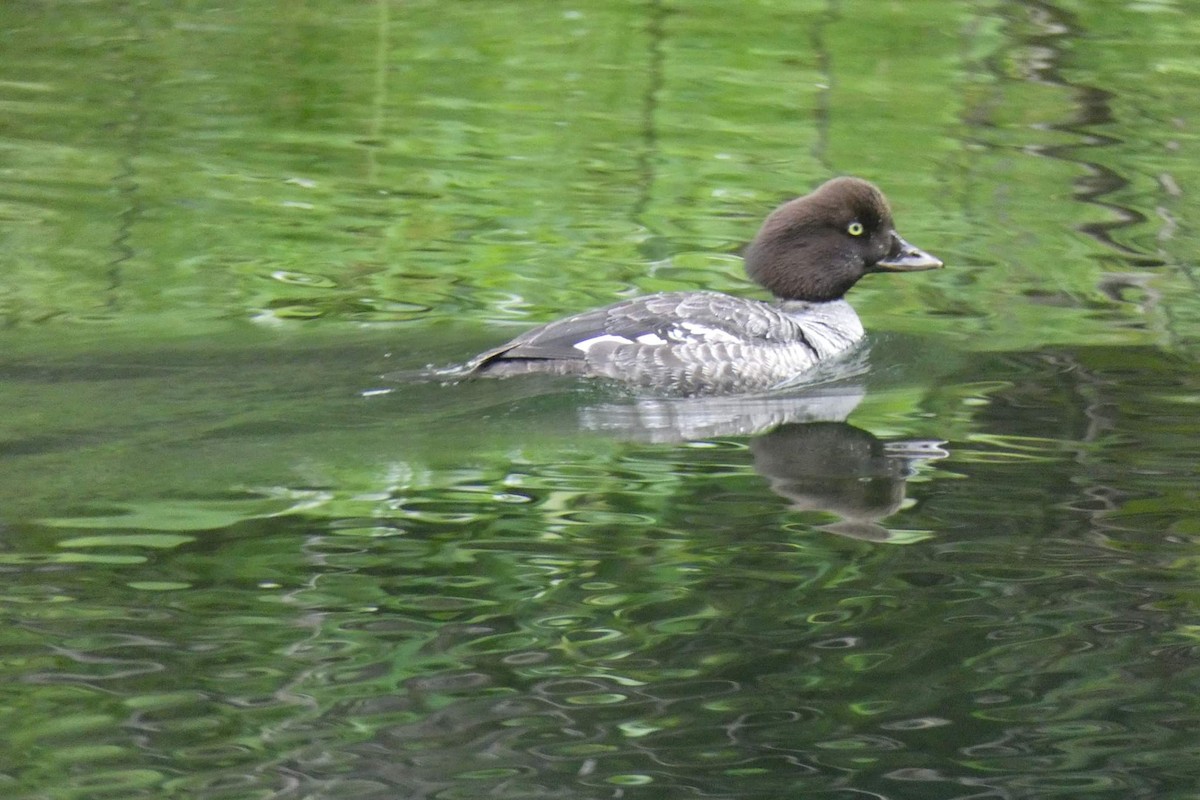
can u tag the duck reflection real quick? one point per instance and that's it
(801, 444)
(687, 419)
(841, 469)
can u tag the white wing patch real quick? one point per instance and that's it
(695, 330)
(588, 344)
(680, 332)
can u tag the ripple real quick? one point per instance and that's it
(1070, 784)
(596, 698)
(509, 643)
(437, 603)
(592, 517)
(99, 782)
(918, 724)
(307, 279)
(154, 540)
(863, 743)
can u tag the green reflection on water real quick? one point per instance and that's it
(247, 555)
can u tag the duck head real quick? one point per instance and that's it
(817, 246)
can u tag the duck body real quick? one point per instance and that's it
(808, 253)
(684, 342)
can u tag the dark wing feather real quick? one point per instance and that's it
(552, 341)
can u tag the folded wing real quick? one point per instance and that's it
(650, 321)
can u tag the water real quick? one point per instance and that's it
(248, 553)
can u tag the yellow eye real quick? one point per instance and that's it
(855, 229)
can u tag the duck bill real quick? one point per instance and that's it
(904, 257)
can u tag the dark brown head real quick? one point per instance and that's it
(817, 246)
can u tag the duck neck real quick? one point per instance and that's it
(831, 325)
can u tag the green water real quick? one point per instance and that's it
(249, 549)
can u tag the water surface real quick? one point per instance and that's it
(250, 553)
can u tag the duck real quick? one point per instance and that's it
(808, 253)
